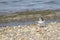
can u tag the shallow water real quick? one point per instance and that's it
(26, 23)
(20, 5)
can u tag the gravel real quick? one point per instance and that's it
(31, 32)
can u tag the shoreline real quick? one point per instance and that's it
(28, 15)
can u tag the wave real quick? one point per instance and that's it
(12, 5)
(4, 3)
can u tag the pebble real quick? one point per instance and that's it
(31, 32)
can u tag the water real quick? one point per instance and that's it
(18, 23)
(26, 23)
(20, 5)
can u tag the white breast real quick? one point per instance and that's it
(41, 21)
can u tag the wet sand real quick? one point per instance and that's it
(29, 16)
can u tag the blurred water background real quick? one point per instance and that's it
(8, 6)
(21, 5)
